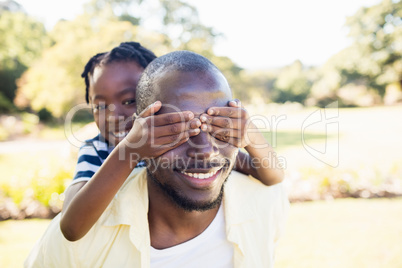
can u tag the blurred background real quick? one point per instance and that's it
(324, 78)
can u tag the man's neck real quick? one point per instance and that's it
(171, 225)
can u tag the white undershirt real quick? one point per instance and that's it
(209, 249)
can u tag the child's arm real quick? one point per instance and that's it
(231, 124)
(71, 191)
(151, 133)
(89, 162)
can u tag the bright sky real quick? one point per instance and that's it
(258, 33)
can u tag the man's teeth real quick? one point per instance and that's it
(120, 134)
(200, 176)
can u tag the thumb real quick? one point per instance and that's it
(151, 109)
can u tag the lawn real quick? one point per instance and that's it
(342, 233)
(17, 238)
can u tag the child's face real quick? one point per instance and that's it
(112, 97)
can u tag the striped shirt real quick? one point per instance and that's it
(91, 156)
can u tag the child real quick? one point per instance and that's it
(111, 79)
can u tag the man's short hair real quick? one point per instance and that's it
(182, 61)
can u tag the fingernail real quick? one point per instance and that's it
(210, 112)
(190, 115)
(203, 118)
(198, 123)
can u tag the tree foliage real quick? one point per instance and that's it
(376, 55)
(359, 74)
(22, 42)
(292, 84)
(54, 82)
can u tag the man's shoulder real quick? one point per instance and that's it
(133, 191)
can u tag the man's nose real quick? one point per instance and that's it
(202, 146)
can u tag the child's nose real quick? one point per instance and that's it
(115, 110)
(116, 113)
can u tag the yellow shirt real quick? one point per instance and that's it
(255, 216)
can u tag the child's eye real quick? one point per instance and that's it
(99, 107)
(128, 102)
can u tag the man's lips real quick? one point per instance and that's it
(200, 178)
(200, 174)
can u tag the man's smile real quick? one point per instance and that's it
(199, 174)
(201, 179)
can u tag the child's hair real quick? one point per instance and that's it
(126, 51)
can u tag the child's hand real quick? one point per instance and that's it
(228, 124)
(153, 135)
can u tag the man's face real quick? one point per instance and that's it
(193, 174)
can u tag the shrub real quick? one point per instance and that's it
(329, 183)
(37, 190)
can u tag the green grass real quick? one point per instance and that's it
(285, 139)
(342, 233)
(17, 238)
(367, 137)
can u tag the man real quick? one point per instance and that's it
(186, 209)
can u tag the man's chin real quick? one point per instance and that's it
(184, 202)
(191, 205)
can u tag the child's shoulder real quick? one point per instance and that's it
(96, 146)
(98, 142)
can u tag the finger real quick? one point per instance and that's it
(169, 146)
(172, 140)
(176, 128)
(220, 121)
(225, 133)
(171, 118)
(227, 111)
(151, 109)
(195, 123)
(235, 103)
(233, 141)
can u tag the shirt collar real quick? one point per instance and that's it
(131, 202)
(236, 206)
(130, 207)
(238, 213)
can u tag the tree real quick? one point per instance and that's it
(292, 84)
(177, 19)
(10, 6)
(23, 40)
(377, 34)
(54, 82)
